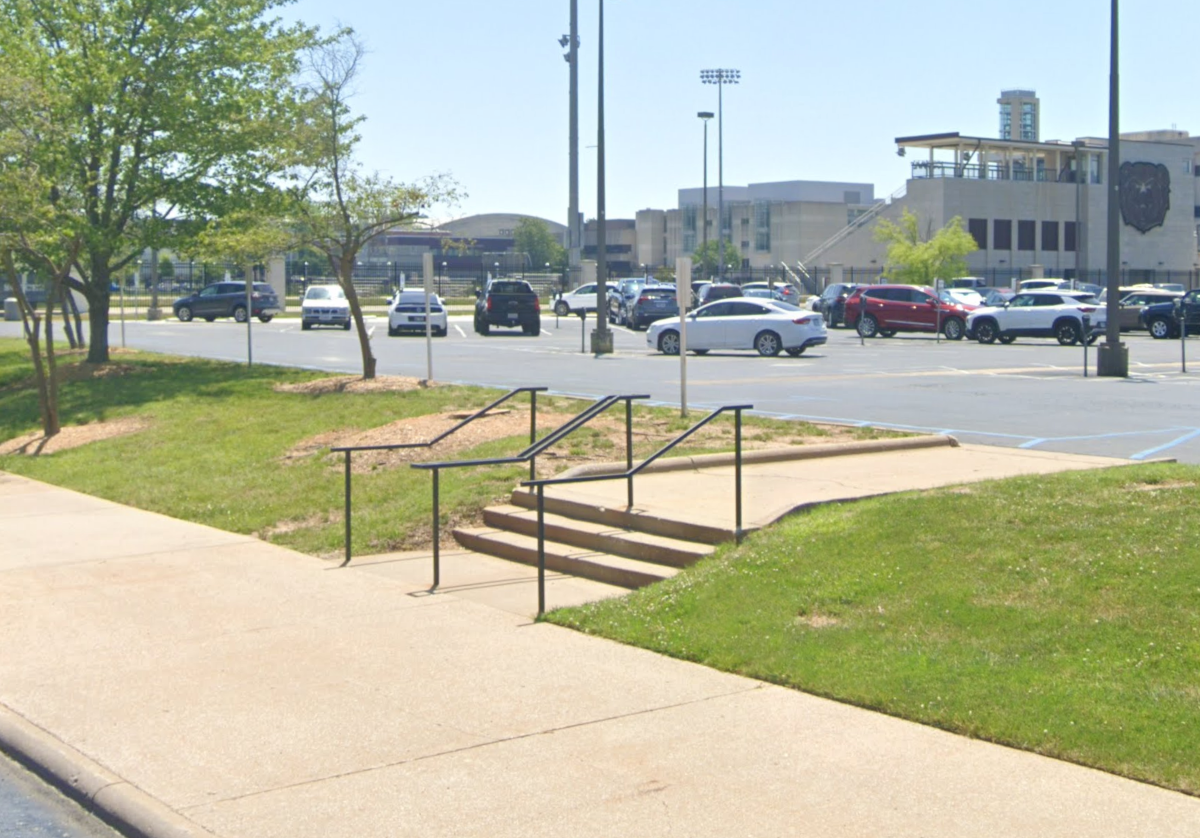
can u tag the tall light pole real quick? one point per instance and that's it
(574, 233)
(706, 116)
(1113, 358)
(721, 78)
(602, 340)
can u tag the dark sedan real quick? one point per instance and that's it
(228, 299)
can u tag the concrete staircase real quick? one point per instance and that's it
(615, 546)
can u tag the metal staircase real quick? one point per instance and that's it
(858, 223)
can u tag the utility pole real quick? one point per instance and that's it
(574, 233)
(1113, 358)
(602, 337)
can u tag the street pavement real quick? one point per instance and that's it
(194, 683)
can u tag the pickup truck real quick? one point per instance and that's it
(510, 303)
(1162, 319)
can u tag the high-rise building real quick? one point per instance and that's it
(1022, 107)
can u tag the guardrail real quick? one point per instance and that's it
(528, 455)
(630, 472)
(350, 449)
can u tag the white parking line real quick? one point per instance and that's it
(458, 329)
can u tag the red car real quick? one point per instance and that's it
(884, 310)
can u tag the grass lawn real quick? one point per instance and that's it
(1055, 614)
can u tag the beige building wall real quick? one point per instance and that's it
(651, 234)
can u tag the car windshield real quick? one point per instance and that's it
(324, 292)
(659, 294)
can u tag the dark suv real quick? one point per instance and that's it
(654, 302)
(832, 303)
(884, 310)
(228, 299)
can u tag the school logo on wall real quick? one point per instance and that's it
(1145, 190)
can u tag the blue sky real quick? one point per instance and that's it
(479, 89)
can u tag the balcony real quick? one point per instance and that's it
(924, 169)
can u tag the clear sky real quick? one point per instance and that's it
(479, 89)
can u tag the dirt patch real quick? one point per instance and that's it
(34, 444)
(1164, 486)
(817, 621)
(352, 384)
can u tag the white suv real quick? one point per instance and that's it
(1039, 314)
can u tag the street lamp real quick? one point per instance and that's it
(706, 116)
(440, 278)
(496, 275)
(720, 78)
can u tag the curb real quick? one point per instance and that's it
(101, 792)
(773, 455)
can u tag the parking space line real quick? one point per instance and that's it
(1150, 452)
(458, 329)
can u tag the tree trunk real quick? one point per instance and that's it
(96, 291)
(50, 421)
(32, 328)
(346, 280)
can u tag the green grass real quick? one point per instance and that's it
(1055, 614)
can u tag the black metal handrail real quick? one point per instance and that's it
(630, 472)
(350, 449)
(528, 455)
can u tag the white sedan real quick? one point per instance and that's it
(767, 326)
(324, 305)
(406, 313)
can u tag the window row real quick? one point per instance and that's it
(1002, 234)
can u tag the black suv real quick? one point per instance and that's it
(832, 303)
(228, 299)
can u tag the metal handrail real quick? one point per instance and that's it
(529, 454)
(630, 472)
(350, 449)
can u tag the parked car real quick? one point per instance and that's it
(1041, 284)
(324, 305)
(1044, 314)
(884, 310)
(621, 294)
(763, 293)
(1133, 300)
(975, 282)
(993, 296)
(406, 313)
(511, 303)
(228, 299)
(654, 302)
(576, 300)
(783, 290)
(714, 291)
(766, 326)
(1162, 319)
(968, 298)
(832, 302)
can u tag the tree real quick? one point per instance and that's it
(706, 258)
(914, 260)
(533, 237)
(339, 209)
(169, 108)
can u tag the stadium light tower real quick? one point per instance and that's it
(720, 78)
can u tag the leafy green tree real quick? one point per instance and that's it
(916, 260)
(339, 210)
(533, 237)
(706, 261)
(169, 109)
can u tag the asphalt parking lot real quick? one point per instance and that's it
(1031, 394)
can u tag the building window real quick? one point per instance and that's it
(1006, 122)
(1094, 169)
(762, 226)
(1049, 235)
(977, 227)
(1069, 243)
(1026, 232)
(1027, 128)
(1002, 233)
(689, 219)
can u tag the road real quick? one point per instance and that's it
(1032, 394)
(29, 808)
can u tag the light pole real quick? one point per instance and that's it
(574, 233)
(602, 339)
(706, 116)
(440, 278)
(721, 78)
(1113, 357)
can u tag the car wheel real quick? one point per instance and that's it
(265, 318)
(700, 351)
(239, 314)
(887, 333)
(1092, 339)
(346, 326)
(441, 333)
(986, 331)
(768, 344)
(1007, 339)
(868, 326)
(184, 314)
(393, 332)
(304, 327)
(795, 351)
(562, 309)
(1066, 332)
(485, 328)
(209, 319)
(668, 342)
(953, 329)
(1160, 328)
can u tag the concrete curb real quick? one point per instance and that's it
(773, 455)
(99, 790)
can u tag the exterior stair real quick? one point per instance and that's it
(614, 546)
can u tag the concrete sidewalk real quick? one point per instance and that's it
(196, 683)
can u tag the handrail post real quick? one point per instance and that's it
(346, 560)
(541, 536)
(437, 570)
(532, 431)
(629, 447)
(737, 490)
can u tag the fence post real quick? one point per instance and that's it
(737, 418)
(437, 570)
(541, 531)
(346, 561)
(629, 447)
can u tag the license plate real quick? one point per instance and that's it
(514, 316)
(418, 318)
(326, 316)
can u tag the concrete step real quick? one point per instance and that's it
(600, 537)
(621, 518)
(564, 558)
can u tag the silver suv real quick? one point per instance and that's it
(1068, 316)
